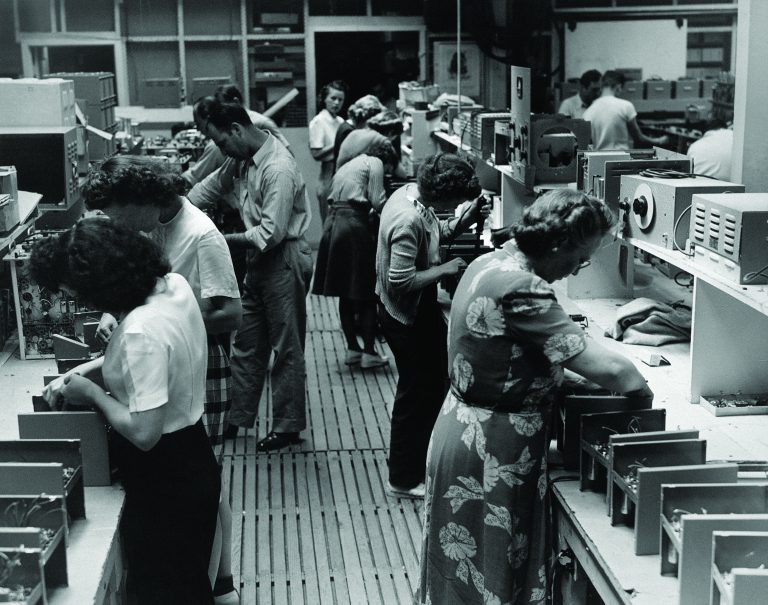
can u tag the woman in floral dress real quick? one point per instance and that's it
(484, 527)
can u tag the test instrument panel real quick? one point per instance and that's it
(656, 206)
(599, 172)
(541, 148)
(46, 161)
(9, 198)
(729, 233)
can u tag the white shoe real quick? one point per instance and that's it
(353, 357)
(415, 493)
(230, 598)
(369, 361)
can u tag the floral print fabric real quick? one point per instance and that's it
(484, 514)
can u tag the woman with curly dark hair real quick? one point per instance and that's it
(407, 271)
(142, 193)
(346, 257)
(509, 339)
(154, 372)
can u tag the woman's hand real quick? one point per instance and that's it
(453, 266)
(107, 325)
(79, 390)
(483, 207)
(52, 392)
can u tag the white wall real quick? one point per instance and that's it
(659, 47)
(310, 170)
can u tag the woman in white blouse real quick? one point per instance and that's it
(322, 135)
(154, 371)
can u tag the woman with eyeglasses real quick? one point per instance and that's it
(508, 342)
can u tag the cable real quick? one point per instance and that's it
(666, 173)
(663, 173)
(753, 275)
(674, 232)
(678, 274)
(455, 229)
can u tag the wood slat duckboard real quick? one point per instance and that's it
(312, 524)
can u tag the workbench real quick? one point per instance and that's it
(728, 352)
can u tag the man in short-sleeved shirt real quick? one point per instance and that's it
(589, 90)
(272, 201)
(712, 153)
(614, 120)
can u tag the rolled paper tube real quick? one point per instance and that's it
(282, 102)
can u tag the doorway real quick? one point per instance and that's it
(81, 58)
(369, 62)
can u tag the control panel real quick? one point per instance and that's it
(729, 233)
(654, 207)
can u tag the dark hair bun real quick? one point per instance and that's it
(447, 177)
(560, 218)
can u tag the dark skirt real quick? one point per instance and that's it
(346, 258)
(169, 521)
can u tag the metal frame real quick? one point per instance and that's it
(315, 25)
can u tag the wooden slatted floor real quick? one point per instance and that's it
(312, 523)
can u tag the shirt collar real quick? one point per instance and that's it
(266, 150)
(511, 249)
(425, 212)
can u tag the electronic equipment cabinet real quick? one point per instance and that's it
(40, 313)
(46, 161)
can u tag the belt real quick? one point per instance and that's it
(503, 407)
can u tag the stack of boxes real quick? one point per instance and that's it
(203, 87)
(95, 94)
(162, 92)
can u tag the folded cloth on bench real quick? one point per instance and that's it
(645, 321)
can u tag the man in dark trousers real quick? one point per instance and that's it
(271, 198)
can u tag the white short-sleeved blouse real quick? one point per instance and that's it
(158, 355)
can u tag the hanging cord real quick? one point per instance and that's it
(454, 231)
(564, 554)
(679, 274)
(753, 275)
(674, 231)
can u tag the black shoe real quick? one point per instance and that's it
(276, 441)
(231, 431)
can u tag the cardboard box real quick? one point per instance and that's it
(33, 102)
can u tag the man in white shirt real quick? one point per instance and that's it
(614, 120)
(589, 90)
(712, 153)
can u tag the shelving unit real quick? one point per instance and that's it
(190, 41)
(724, 355)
